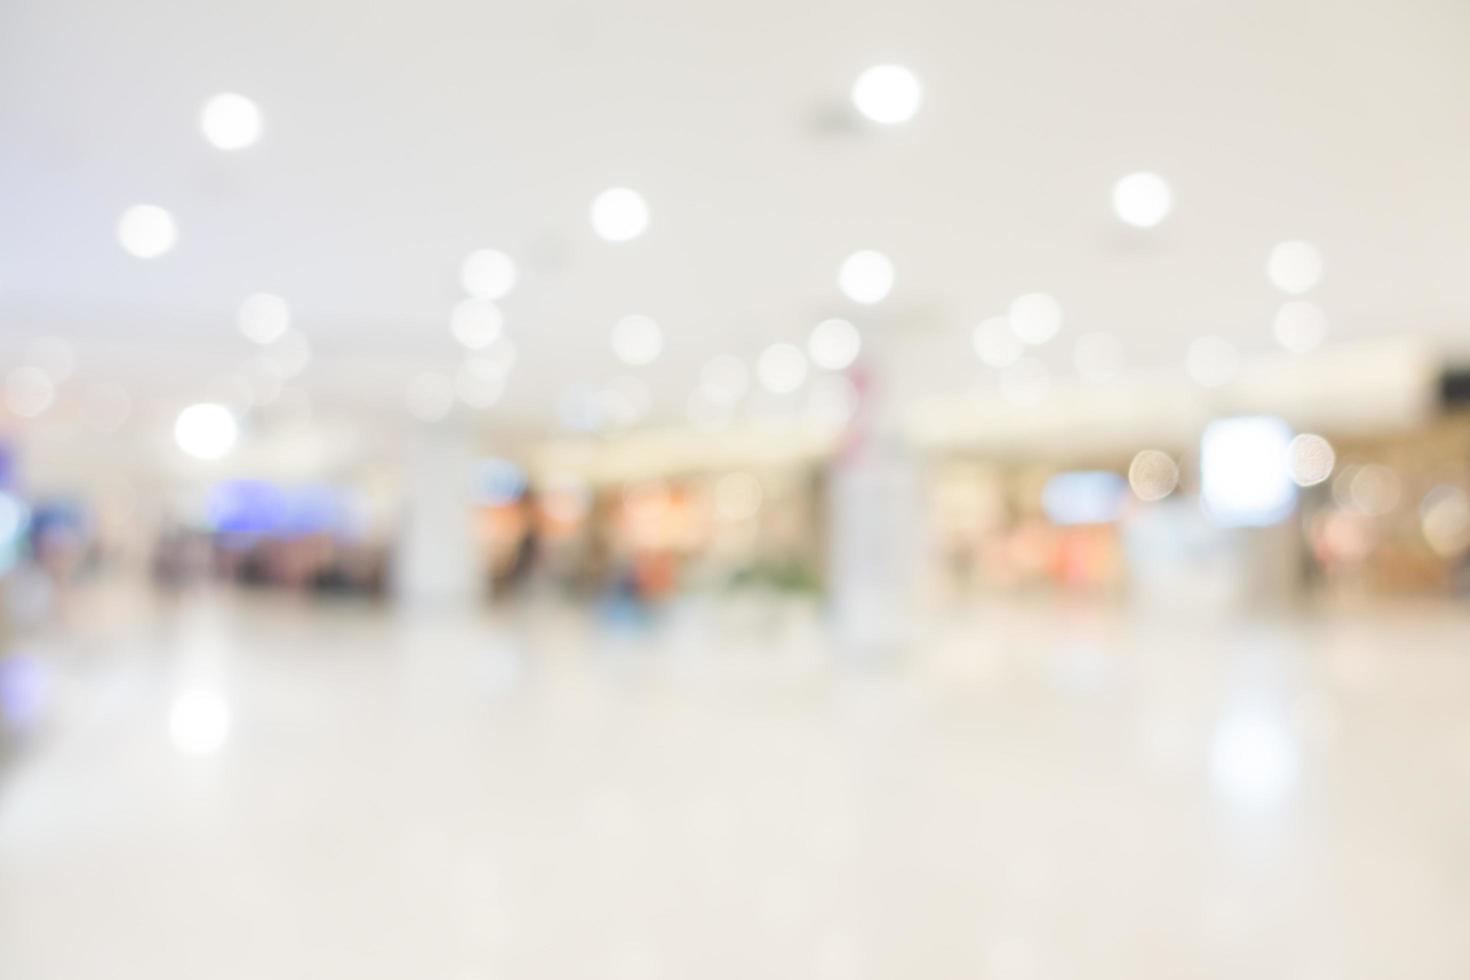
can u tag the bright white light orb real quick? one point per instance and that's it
(1253, 759)
(1295, 267)
(199, 722)
(1444, 518)
(1098, 357)
(866, 277)
(429, 396)
(1300, 326)
(781, 368)
(230, 121)
(1142, 199)
(995, 344)
(619, 214)
(834, 344)
(488, 274)
(637, 340)
(1212, 362)
(1310, 459)
(264, 317)
(1153, 475)
(1245, 477)
(888, 94)
(146, 231)
(1035, 318)
(206, 430)
(476, 323)
(724, 380)
(29, 391)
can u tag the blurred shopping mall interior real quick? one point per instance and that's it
(643, 490)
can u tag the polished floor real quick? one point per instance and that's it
(231, 788)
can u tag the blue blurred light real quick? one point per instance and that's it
(245, 507)
(501, 481)
(259, 507)
(23, 692)
(1084, 497)
(312, 509)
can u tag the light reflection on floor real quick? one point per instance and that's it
(244, 789)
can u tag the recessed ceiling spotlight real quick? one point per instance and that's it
(619, 214)
(995, 344)
(1295, 267)
(637, 340)
(206, 431)
(488, 274)
(1142, 199)
(146, 231)
(866, 276)
(781, 368)
(834, 344)
(264, 317)
(1300, 326)
(230, 121)
(1035, 317)
(476, 323)
(888, 94)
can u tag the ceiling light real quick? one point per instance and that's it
(264, 317)
(1300, 326)
(487, 274)
(1142, 199)
(1295, 267)
(206, 431)
(146, 231)
(866, 276)
(1035, 317)
(230, 121)
(995, 344)
(887, 94)
(619, 214)
(637, 340)
(781, 368)
(834, 344)
(1310, 459)
(475, 323)
(1153, 475)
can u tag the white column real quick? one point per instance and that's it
(874, 531)
(436, 559)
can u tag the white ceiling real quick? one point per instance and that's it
(401, 135)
